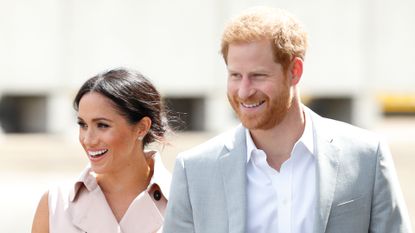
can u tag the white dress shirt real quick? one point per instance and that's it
(284, 201)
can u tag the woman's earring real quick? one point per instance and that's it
(140, 138)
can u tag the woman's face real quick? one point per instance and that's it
(109, 141)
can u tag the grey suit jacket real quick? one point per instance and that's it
(357, 186)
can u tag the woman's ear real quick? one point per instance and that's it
(296, 70)
(143, 126)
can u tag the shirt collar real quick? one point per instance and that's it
(161, 177)
(307, 138)
(250, 145)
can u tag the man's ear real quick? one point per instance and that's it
(296, 70)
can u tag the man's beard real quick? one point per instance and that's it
(275, 111)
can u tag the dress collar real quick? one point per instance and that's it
(161, 177)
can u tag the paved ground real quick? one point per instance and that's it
(30, 164)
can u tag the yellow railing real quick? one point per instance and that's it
(404, 103)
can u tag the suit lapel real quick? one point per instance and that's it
(327, 168)
(326, 172)
(233, 168)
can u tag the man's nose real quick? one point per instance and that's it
(246, 88)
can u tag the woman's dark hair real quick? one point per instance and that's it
(133, 95)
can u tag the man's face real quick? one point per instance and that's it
(258, 88)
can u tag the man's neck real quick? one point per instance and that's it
(278, 142)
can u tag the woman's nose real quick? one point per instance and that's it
(88, 137)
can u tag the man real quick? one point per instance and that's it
(285, 169)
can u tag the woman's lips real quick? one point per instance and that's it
(94, 154)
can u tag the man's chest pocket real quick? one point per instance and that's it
(354, 206)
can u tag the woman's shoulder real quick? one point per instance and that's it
(41, 219)
(63, 193)
(54, 202)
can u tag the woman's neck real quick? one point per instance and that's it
(133, 177)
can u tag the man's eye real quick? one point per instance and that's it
(234, 75)
(103, 125)
(260, 75)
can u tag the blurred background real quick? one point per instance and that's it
(358, 69)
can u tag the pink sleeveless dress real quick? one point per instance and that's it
(82, 206)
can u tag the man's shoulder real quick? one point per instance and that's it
(346, 132)
(345, 128)
(212, 148)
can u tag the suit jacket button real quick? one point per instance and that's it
(157, 195)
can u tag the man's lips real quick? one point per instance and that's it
(252, 105)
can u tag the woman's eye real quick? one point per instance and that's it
(102, 125)
(82, 124)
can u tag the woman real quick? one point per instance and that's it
(124, 188)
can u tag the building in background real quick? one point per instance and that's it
(358, 65)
